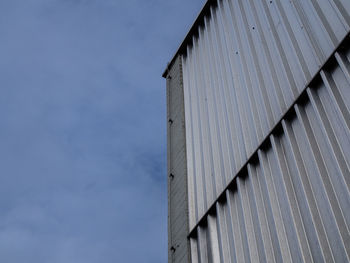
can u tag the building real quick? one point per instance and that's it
(258, 100)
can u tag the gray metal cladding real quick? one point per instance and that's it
(292, 201)
(177, 180)
(248, 63)
(264, 133)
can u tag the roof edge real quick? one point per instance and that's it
(193, 30)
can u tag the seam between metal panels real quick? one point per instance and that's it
(243, 168)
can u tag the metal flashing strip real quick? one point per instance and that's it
(345, 42)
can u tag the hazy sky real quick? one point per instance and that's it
(83, 128)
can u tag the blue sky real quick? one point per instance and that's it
(83, 128)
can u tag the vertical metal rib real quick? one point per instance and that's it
(267, 116)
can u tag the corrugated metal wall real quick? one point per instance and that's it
(261, 103)
(250, 61)
(292, 202)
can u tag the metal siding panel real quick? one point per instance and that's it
(293, 202)
(224, 234)
(267, 130)
(261, 223)
(177, 183)
(235, 99)
(191, 185)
